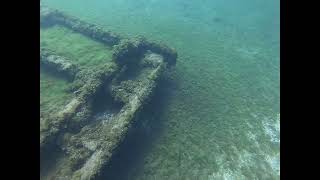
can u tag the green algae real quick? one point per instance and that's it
(53, 93)
(81, 50)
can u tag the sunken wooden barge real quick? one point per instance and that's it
(79, 138)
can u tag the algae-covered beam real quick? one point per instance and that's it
(105, 139)
(46, 15)
(138, 46)
(56, 122)
(74, 114)
(57, 63)
(49, 16)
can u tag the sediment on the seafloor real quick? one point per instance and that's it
(122, 86)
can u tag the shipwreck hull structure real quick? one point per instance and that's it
(78, 139)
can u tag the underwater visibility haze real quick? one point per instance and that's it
(216, 114)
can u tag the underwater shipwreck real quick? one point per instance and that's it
(87, 107)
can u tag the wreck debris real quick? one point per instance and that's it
(124, 85)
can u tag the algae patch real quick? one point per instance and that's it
(53, 93)
(83, 51)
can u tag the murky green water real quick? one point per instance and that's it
(219, 116)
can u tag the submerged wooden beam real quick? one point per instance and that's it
(79, 104)
(57, 63)
(105, 138)
(50, 17)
